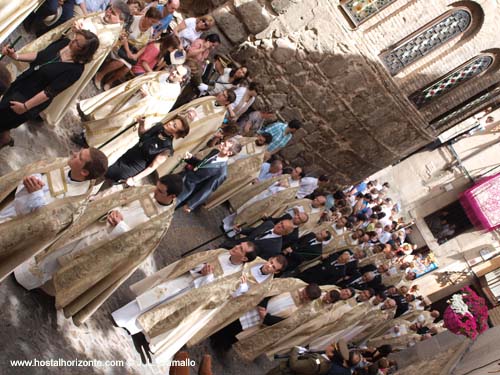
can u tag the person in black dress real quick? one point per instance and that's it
(51, 71)
(153, 148)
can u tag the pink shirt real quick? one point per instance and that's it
(150, 56)
(198, 51)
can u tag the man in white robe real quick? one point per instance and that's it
(196, 314)
(41, 189)
(50, 197)
(38, 270)
(165, 284)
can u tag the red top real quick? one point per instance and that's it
(150, 56)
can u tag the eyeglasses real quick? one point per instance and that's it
(205, 23)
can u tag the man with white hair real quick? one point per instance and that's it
(167, 12)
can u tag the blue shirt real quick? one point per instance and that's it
(94, 5)
(163, 23)
(280, 139)
(361, 187)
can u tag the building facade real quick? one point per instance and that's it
(371, 79)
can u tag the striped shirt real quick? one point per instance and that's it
(280, 139)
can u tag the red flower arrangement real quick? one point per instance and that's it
(467, 314)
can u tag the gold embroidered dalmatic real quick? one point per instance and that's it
(298, 329)
(213, 300)
(270, 206)
(113, 111)
(248, 192)
(178, 268)
(26, 235)
(239, 174)
(86, 280)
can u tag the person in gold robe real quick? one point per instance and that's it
(249, 191)
(303, 328)
(195, 315)
(354, 320)
(106, 25)
(107, 115)
(379, 314)
(12, 13)
(179, 277)
(269, 313)
(399, 336)
(49, 197)
(97, 254)
(314, 208)
(269, 202)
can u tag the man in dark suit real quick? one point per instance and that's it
(268, 237)
(204, 176)
(330, 271)
(367, 280)
(380, 270)
(307, 247)
(298, 219)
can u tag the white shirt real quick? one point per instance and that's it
(384, 237)
(189, 34)
(265, 174)
(270, 235)
(240, 93)
(252, 318)
(25, 202)
(307, 186)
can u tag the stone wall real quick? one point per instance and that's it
(317, 68)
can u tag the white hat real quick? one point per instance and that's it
(178, 57)
(53, 18)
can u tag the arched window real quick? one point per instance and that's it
(423, 41)
(358, 11)
(463, 73)
(458, 112)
